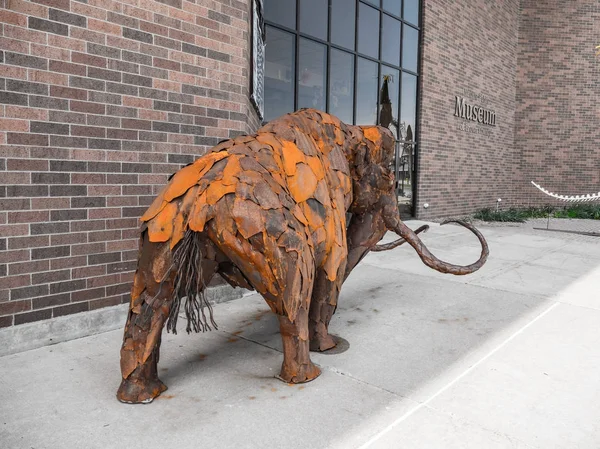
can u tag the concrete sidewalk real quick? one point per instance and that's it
(508, 357)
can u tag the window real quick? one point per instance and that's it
(341, 85)
(279, 73)
(333, 55)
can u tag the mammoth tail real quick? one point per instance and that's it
(433, 262)
(190, 283)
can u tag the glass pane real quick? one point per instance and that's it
(279, 73)
(313, 18)
(409, 104)
(366, 92)
(343, 19)
(372, 2)
(282, 12)
(410, 48)
(389, 105)
(312, 63)
(341, 90)
(393, 6)
(368, 31)
(390, 40)
(411, 11)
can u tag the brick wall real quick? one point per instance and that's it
(100, 100)
(558, 98)
(468, 45)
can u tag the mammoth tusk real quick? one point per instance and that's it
(398, 242)
(433, 262)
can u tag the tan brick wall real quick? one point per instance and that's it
(468, 45)
(535, 63)
(100, 100)
(558, 99)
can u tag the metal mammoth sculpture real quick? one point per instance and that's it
(267, 212)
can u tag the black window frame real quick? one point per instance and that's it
(329, 45)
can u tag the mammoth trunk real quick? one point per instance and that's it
(433, 262)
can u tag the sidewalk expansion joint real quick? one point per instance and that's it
(360, 381)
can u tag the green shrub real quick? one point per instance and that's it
(510, 215)
(589, 211)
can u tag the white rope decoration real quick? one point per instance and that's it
(572, 198)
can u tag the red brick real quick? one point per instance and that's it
(88, 272)
(65, 42)
(105, 302)
(50, 203)
(26, 113)
(104, 27)
(90, 108)
(24, 34)
(103, 281)
(14, 125)
(88, 11)
(68, 92)
(50, 52)
(136, 102)
(143, 14)
(68, 262)
(95, 214)
(125, 44)
(58, 4)
(89, 131)
(83, 58)
(48, 78)
(154, 28)
(14, 45)
(88, 155)
(12, 307)
(28, 8)
(33, 216)
(28, 267)
(14, 281)
(8, 71)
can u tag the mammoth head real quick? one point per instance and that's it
(372, 178)
(374, 195)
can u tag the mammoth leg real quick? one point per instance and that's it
(151, 301)
(322, 307)
(297, 366)
(148, 311)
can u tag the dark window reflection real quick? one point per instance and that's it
(393, 6)
(279, 73)
(282, 12)
(366, 92)
(393, 84)
(312, 59)
(343, 19)
(410, 48)
(313, 18)
(408, 110)
(390, 40)
(368, 31)
(411, 11)
(341, 85)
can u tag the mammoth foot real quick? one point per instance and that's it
(321, 343)
(299, 375)
(137, 391)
